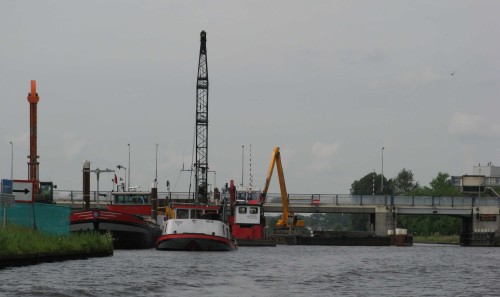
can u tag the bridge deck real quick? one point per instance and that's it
(330, 203)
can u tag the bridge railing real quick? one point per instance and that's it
(370, 200)
(307, 199)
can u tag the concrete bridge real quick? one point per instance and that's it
(480, 215)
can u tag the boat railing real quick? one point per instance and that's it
(77, 196)
(72, 197)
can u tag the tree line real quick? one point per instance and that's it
(404, 184)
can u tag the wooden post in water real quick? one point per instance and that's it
(86, 185)
(154, 201)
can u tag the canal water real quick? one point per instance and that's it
(421, 270)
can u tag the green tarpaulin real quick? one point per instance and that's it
(48, 218)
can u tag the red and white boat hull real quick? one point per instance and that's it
(194, 242)
(195, 235)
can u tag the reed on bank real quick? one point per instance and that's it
(17, 240)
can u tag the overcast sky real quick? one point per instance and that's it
(330, 82)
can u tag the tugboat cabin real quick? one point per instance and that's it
(209, 212)
(138, 203)
(247, 214)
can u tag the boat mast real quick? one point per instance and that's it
(201, 165)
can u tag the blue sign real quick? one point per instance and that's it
(7, 186)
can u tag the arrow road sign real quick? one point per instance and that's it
(23, 190)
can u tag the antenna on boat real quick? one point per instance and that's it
(250, 166)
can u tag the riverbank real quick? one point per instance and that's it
(21, 246)
(437, 239)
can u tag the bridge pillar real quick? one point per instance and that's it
(384, 219)
(483, 228)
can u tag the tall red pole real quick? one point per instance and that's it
(33, 157)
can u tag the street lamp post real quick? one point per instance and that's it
(128, 166)
(382, 179)
(11, 160)
(373, 183)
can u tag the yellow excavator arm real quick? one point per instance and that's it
(276, 159)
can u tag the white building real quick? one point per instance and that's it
(490, 172)
(482, 176)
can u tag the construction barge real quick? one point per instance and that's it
(340, 238)
(290, 228)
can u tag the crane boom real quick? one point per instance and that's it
(276, 160)
(201, 165)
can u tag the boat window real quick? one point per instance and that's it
(196, 213)
(254, 196)
(131, 199)
(211, 216)
(118, 199)
(182, 214)
(254, 210)
(242, 210)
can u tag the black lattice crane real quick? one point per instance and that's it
(201, 165)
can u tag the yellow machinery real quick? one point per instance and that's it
(288, 220)
(169, 212)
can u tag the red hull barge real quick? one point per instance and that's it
(129, 231)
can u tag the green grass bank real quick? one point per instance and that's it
(21, 246)
(437, 239)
